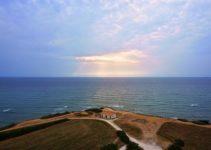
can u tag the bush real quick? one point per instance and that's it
(133, 146)
(8, 126)
(177, 145)
(54, 115)
(201, 122)
(183, 120)
(174, 147)
(179, 142)
(21, 131)
(111, 146)
(82, 114)
(95, 110)
(123, 137)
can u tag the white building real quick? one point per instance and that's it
(108, 115)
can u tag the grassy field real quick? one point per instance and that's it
(194, 137)
(73, 134)
(129, 128)
(7, 134)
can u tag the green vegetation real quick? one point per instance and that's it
(21, 131)
(8, 126)
(201, 122)
(183, 120)
(123, 137)
(82, 114)
(133, 146)
(94, 110)
(54, 115)
(111, 146)
(73, 134)
(177, 145)
(179, 142)
(174, 147)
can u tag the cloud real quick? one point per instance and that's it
(126, 56)
(135, 21)
(117, 14)
(146, 33)
(147, 40)
(121, 63)
(179, 22)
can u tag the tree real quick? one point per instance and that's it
(123, 137)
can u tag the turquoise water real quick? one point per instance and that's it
(26, 98)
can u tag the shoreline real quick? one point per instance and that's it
(148, 129)
(114, 109)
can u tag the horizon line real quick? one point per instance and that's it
(105, 76)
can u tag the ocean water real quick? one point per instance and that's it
(27, 98)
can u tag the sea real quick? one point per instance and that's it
(28, 98)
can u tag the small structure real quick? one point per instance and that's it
(108, 115)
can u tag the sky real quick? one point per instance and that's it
(105, 38)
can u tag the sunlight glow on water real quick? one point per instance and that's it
(26, 98)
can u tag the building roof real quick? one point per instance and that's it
(108, 113)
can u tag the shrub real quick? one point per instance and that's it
(174, 147)
(123, 137)
(183, 120)
(8, 126)
(179, 142)
(21, 131)
(111, 146)
(177, 145)
(95, 110)
(82, 114)
(54, 115)
(201, 122)
(133, 146)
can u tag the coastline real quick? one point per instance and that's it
(146, 128)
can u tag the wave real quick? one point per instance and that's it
(174, 117)
(194, 105)
(58, 109)
(117, 106)
(6, 110)
(89, 107)
(61, 109)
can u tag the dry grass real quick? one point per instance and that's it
(195, 137)
(7, 134)
(74, 134)
(130, 129)
(82, 114)
(140, 126)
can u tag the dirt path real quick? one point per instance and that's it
(145, 146)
